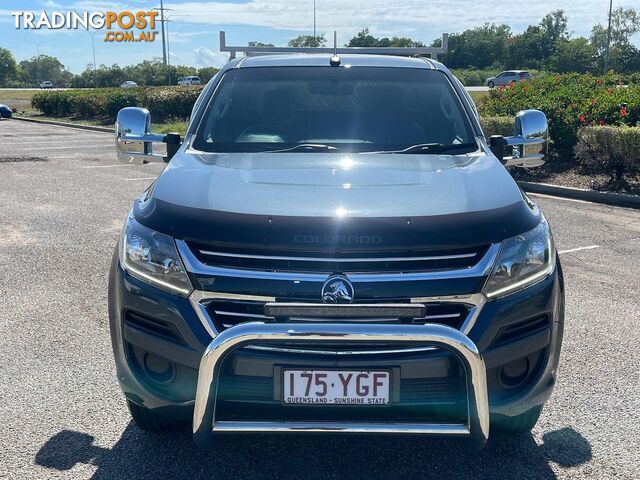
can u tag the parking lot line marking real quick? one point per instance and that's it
(566, 199)
(111, 166)
(578, 249)
(42, 140)
(68, 147)
(134, 179)
(73, 157)
(30, 143)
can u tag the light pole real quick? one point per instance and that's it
(606, 53)
(168, 52)
(164, 50)
(93, 47)
(165, 42)
(37, 45)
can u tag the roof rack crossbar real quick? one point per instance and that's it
(433, 52)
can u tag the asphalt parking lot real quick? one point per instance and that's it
(63, 198)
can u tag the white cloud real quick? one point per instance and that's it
(184, 37)
(51, 4)
(100, 6)
(208, 58)
(420, 19)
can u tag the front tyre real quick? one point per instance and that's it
(522, 423)
(154, 421)
(491, 84)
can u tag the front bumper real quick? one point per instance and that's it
(476, 427)
(186, 393)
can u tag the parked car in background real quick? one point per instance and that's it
(189, 80)
(505, 78)
(5, 111)
(46, 85)
(129, 84)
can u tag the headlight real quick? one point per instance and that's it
(523, 260)
(152, 256)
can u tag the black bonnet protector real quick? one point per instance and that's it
(337, 234)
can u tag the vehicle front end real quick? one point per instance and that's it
(342, 286)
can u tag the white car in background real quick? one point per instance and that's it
(46, 85)
(189, 80)
(129, 84)
(507, 77)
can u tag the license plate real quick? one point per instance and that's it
(336, 387)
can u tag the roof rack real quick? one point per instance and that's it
(432, 52)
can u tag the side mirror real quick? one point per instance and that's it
(134, 140)
(528, 142)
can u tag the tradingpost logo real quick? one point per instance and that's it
(118, 26)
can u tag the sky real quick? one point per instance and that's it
(194, 25)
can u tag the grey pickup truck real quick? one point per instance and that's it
(335, 246)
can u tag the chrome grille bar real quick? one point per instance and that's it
(481, 268)
(199, 300)
(353, 310)
(339, 260)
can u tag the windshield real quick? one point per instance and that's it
(334, 109)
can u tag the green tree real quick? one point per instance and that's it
(478, 47)
(553, 27)
(48, 68)
(148, 73)
(8, 67)
(575, 55)
(153, 72)
(364, 39)
(261, 44)
(207, 73)
(401, 42)
(526, 50)
(103, 76)
(623, 56)
(533, 46)
(181, 71)
(308, 41)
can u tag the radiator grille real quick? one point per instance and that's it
(227, 313)
(366, 262)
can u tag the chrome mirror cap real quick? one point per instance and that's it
(531, 124)
(529, 140)
(134, 138)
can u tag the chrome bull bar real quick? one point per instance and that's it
(204, 416)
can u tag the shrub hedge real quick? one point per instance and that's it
(570, 102)
(471, 77)
(171, 102)
(612, 149)
(497, 125)
(164, 102)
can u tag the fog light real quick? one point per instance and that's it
(158, 369)
(513, 374)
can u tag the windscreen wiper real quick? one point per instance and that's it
(435, 148)
(305, 147)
